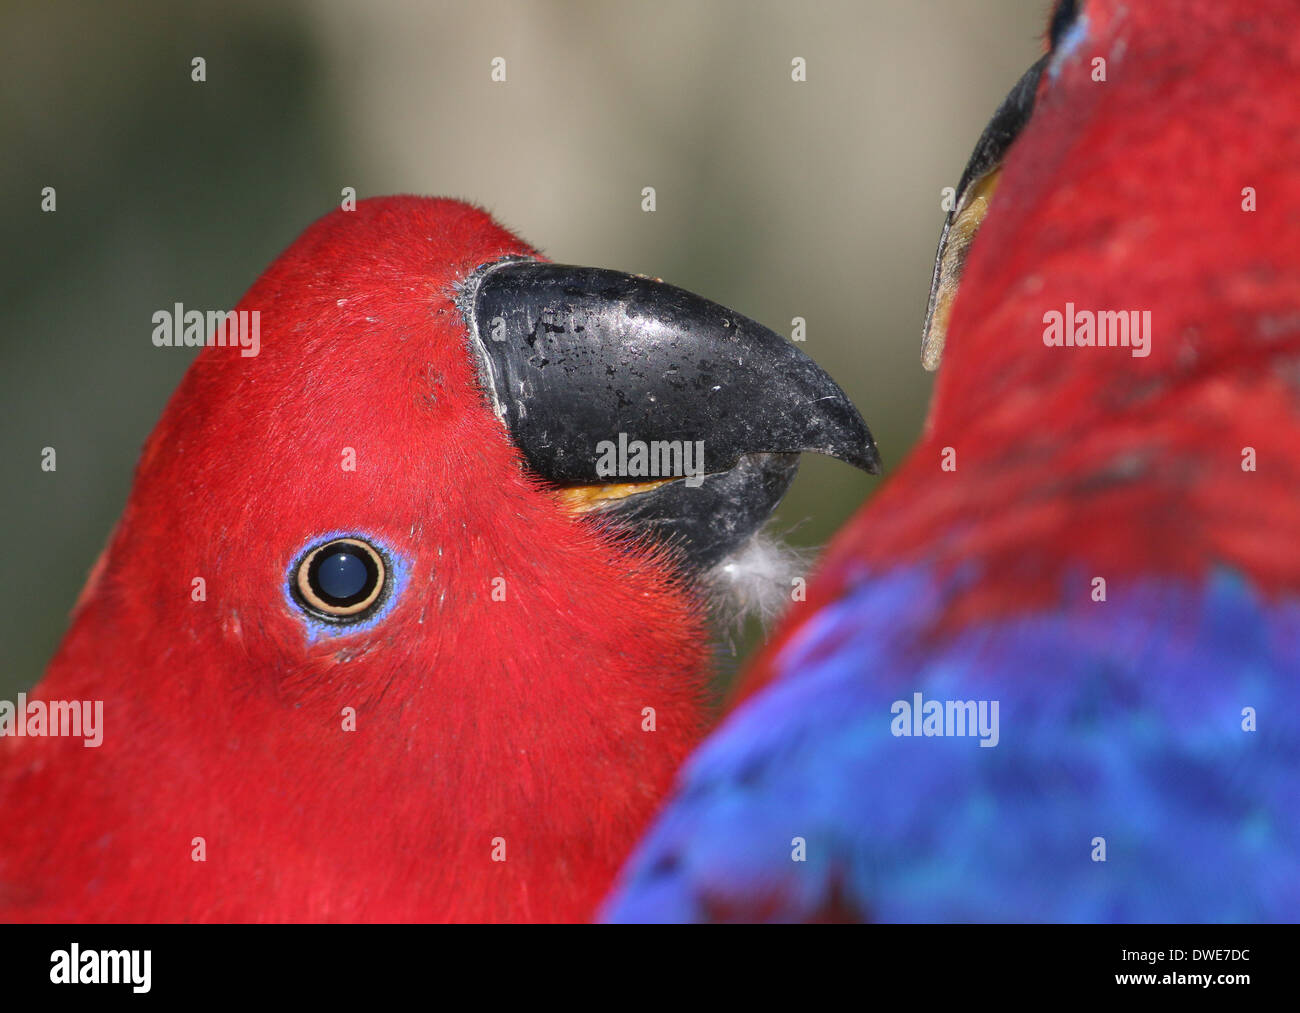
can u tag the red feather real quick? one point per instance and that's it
(476, 719)
(1125, 194)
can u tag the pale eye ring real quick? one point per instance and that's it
(341, 580)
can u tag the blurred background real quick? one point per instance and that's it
(818, 199)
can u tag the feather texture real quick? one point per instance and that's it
(1172, 478)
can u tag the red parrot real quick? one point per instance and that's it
(399, 621)
(1051, 672)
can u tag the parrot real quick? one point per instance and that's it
(1050, 672)
(408, 616)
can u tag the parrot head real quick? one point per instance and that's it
(404, 617)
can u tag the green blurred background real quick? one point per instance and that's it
(780, 199)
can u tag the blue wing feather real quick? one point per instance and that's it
(1123, 721)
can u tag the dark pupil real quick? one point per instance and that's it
(342, 576)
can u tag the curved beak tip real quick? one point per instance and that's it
(577, 359)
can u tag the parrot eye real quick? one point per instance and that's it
(341, 580)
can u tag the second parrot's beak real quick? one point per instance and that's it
(974, 191)
(650, 405)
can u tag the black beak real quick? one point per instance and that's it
(974, 190)
(650, 404)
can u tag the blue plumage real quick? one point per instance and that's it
(1120, 720)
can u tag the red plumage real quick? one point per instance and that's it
(1123, 194)
(476, 719)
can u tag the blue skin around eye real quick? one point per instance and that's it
(341, 575)
(399, 569)
(1070, 41)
